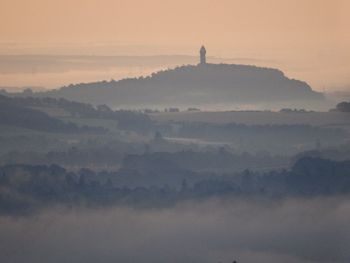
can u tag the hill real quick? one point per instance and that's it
(208, 84)
(63, 109)
(17, 112)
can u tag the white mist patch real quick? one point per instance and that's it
(249, 231)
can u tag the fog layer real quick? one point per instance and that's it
(289, 231)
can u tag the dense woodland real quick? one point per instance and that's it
(25, 188)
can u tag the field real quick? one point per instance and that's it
(331, 119)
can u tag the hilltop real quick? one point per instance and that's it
(207, 84)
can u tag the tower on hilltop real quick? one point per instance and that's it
(202, 53)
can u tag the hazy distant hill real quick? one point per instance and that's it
(194, 85)
(15, 114)
(35, 113)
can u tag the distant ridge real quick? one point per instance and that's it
(193, 85)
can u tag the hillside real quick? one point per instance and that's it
(208, 84)
(62, 109)
(18, 112)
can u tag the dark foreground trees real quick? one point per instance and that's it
(25, 188)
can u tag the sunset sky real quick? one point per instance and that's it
(299, 34)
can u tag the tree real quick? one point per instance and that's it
(343, 106)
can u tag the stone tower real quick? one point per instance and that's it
(202, 53)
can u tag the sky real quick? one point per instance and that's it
(308, 38)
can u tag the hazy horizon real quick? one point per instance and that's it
(308, 40)
(42, 72)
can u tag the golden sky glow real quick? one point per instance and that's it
(181, 22)
(317, 31)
